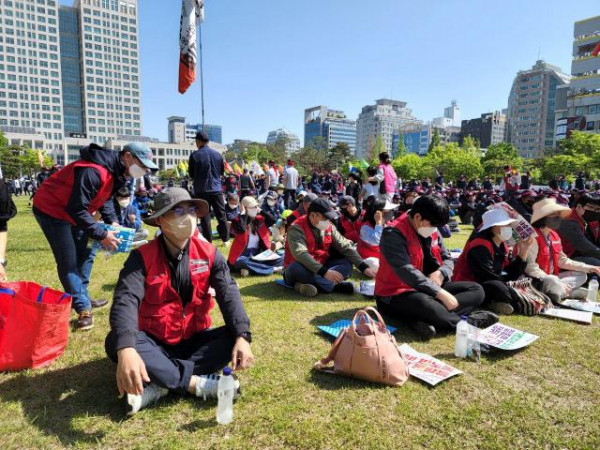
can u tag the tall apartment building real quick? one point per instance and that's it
(578, 104)
(180, 131)
(531, 108)
(69, 71)
(292, 141)
(331, 125)
(489, 129)
(384, 118)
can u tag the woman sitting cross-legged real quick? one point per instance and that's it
(377, 215)
(546, 258)
(251, 237)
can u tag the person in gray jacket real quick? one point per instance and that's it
(580, 231)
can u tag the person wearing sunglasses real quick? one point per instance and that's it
(160, 319)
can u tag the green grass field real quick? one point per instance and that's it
(543, 397)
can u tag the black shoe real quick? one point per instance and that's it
(482, 319)
(98, 303)
(85, 321)
(345, 287)
(423, 330)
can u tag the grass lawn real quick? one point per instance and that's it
(545, 396)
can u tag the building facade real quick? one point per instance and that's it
(531, 108)
(489, 129)
(383, 119)
(578, 104)
(180, 131)
(292, 141)
(331, 125)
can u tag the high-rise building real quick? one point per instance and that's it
(452, 112)
(489, 129)
(383, 119)
(417, 137)
(531, 105)
(292, 141)
(331, 125)
(578, 104)
(70, 71)
(180, 131)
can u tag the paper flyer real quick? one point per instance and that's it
(427, 368)
(505, 337)
(593, 307)
(569, 314)
(523, 229)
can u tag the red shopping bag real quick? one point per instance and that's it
(34, 325)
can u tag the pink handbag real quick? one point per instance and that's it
(367, 350)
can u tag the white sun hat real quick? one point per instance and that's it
(548, 206)
(497, 218)
(389, 206)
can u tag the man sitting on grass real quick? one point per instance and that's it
(160, 321)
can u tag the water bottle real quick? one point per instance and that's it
(225, 392)
(592, 294)
(462, 337)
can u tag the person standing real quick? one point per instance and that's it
(206, 167)
(273, 175)
(290, 182)
(8, 210)
(386, 176)
(65, 203)
(246, 185)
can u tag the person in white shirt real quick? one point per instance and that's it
(273, 175)
(290, 182)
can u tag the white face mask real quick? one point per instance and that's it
(136, 171)
(426, 232)
(180, 228)
(323, 225)
(252, 212)
(506, 233)
(124, 202)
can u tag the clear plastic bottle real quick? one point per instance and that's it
(462, 337)
(592, 295)
(225, 393)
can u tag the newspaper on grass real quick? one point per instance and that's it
(125, 235)
(425, 367)
(593, 307)
(267, 255)
(522, 230)
(504, 337)
(569, 314)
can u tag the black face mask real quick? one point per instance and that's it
(591, 216)
(553, 222)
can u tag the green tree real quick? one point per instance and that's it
(279, 148)
(308, 158)
(455, 161)
(257, 152)
(401, 150)
(30, 161)
(378, 147)
(470, 144)
(408, 166)
(338, 155)
(435, 140)
(499, 156)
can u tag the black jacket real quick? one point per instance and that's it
(8, 209)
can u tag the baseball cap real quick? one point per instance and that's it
(309, 197)
(141, 152)
(322, 206)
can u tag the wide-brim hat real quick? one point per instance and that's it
(389, 206)
(548, 206)
(497, 218)
(168, 199)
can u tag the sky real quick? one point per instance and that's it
(265, 61)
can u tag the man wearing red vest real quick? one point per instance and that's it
(160, 320)
(413, 281)
(251, 237)
(64, 207)
(310, 264)
(579, 232)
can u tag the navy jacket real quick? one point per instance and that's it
(206, 167)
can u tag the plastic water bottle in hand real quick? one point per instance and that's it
(225, 393)
(462, 337)
(592, 290)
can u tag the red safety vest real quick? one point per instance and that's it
(318, 250)
(240, 241)
(365, 249)
(462, 269)
(54, 194)
(161, 312)
(387, 283)
(574, 217)
(543, 256)
(351, 229)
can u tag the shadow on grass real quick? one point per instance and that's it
(270, 290)
(333, 382)
(109, 286)
(52, 400)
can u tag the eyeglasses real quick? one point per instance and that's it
(181, 211)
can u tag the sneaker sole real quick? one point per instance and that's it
(307, 290)
(86, 328)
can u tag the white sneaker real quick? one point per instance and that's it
(245, 273)
(207, 386)
(278, 269)
(579, 293)
(152, 393)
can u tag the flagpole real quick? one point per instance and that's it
(201, 71)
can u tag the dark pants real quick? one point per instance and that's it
(497, 292)
(587, 260)
(418, 306)
(297, 273)
(74, 260)
(217, 204)
(289, 198)
(244, 193)
(172, 366)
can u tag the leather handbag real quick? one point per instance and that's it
(367, 350)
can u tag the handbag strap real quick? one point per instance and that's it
(7, 291)
(370, 309)
(322, 363)
(41, 294)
